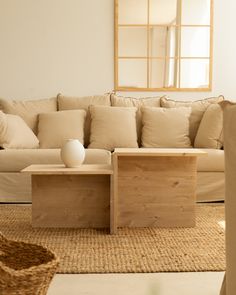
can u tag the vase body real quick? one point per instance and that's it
(72, 153)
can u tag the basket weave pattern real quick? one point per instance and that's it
(25, 269)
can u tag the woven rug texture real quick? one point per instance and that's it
(134, 250)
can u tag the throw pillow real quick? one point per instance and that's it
(211, 127)
(55, 127)
(198, 109)
(121, 101)
(83, 103)
(166, 128)
(15, 134)
(113, 127)
(28, 110)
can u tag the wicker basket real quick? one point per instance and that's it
(25, 269)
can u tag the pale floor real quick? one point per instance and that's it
(201, 283)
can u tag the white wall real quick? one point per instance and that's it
(52, 46)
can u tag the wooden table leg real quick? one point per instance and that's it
(114, 197)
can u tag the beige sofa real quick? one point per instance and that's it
(16, 187)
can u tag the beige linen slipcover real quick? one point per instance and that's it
(210, 186)
(14, 160)
(213, 162)
(16, 186)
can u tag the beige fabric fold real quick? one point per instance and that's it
(223, 287)
(15, 187)
(210, 186)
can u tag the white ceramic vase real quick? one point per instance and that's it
(72, 153)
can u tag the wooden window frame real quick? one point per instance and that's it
(148, 58)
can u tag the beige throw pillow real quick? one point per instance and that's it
(198, 109)
(54, 128)
(28, 110)
(210, 131)
(121, 101)
(166, 128)
(83, 103)
(113, 127)
(15, 134)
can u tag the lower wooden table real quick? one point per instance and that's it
(71, 197)
(154, 187)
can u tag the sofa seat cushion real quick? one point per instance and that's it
(213, 162)
(14, 160)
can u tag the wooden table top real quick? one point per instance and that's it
(165, 152)
(61, 169)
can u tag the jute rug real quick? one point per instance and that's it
(131, 250)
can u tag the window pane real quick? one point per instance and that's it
(133, 41)
(132, 73)
(132, 11)
(163, 41)
(163, 12)
(195, 42)
(194, 73)
(162, 73)
(196, 12)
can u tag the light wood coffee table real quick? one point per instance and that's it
(154, 187)
(71, 197)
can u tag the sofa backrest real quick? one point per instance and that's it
(73, 103)
(121, 101)
(198, 109)
(28, 110)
